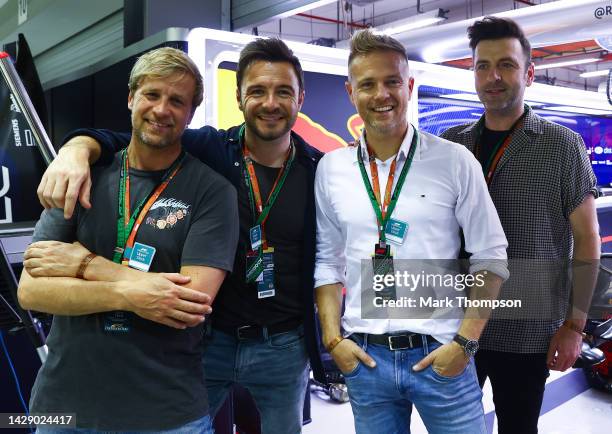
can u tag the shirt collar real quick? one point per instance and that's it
(531, 122)
(402, 153)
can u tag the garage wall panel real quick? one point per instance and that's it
(83, 49)
(249, 13)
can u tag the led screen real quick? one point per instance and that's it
(440, 109)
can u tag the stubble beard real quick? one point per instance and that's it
(384, 128)
(502, 107)
(272, 135)
(149, 141)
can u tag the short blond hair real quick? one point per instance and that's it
(366, 41)
(163, 62)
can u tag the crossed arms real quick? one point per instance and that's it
(49, 284)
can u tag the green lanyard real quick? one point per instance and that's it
(125, 219)
(382, 222)
(250, 178)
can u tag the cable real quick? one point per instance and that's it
(18, 387)
(609, 86)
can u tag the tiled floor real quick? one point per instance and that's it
(581, 411)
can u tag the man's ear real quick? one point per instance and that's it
(349, 90)
(239, 99)
(530, 73)
(410, 87)
(130, 100)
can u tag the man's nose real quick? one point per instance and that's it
(162, 107)
(270, 101)
(494, 74)
(381, 91)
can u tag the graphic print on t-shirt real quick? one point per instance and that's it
(166, 213)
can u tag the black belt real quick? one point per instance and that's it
(257, 331)
(394, 342)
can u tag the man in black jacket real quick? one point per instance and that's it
(263, 319)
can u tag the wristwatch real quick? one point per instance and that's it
(470, 346)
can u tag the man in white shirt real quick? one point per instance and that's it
(401, 194)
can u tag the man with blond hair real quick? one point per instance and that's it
(434, 188)
(262, 331)
(125, 346)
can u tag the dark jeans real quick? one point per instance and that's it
(275, 371)
(518, 388)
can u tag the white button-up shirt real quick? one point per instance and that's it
(444, 191)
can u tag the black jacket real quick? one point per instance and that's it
(220, 149)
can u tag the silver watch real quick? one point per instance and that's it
(470, 346)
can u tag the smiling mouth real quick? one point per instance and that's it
(158, 124)
(383, 109)
(270, 118)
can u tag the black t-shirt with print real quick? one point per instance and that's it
(151, 377)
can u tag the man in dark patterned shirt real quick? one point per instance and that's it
(543, 187)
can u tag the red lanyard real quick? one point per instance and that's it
(263, 211)
(131, 223)
(375, 184)
(390, 198)
(493, 162)
(497, 157)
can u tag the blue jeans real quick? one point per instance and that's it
(382, 397)
(274, 370)
(198, 426)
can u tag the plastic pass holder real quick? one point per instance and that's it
(395, 231)
(265, 286)
(382, 265)
(141, 257)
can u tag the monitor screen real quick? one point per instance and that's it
(440, 109)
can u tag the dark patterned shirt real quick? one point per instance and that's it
(543, 176)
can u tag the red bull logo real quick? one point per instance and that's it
(354, 125)
(323, 139)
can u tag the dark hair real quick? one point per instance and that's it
(498, 28)
(269, 50)
(366, 41)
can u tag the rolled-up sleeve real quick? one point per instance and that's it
(330, 265)
(477, 216)
(578, 177)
